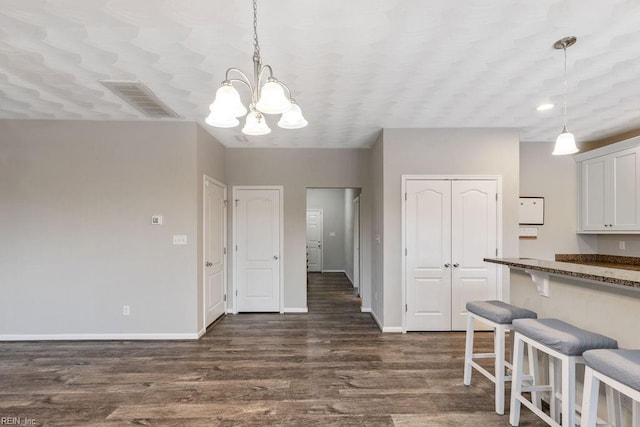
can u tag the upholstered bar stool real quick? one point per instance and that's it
(563, 342)
(619, 370)
(499, 316)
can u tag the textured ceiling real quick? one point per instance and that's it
(354, 66)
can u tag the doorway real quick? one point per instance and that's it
(333, 233)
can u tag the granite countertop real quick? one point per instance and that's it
(596, 273)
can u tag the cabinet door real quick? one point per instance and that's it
(593, 194)
(624, 204)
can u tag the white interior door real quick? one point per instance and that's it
(257, 221)
(428, 255)
(314, 240)
(474, 236)
(214, 231)
(356, 243)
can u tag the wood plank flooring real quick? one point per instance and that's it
(331, 367)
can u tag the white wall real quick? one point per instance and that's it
(556, 179)
(331, 201)
(443, 151)
(610, 244)
(297, 170)
(76, 200)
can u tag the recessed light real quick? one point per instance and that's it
(544, 107)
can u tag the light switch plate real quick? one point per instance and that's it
(332, 234)
(179, 239)
(156, 220)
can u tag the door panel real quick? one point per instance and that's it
(593, 191)
(473, 238)
(314, 240)
(214, 257)
(428, 226)
(257, 218)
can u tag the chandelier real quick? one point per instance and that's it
(267, 97)
(566, 142)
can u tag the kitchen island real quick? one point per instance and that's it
(603, 299)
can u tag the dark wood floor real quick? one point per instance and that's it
(331, 367)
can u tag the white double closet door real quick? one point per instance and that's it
(450, 226)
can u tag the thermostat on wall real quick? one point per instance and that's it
(156, 220)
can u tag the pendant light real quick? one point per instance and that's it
(267, 97)
(565, 143)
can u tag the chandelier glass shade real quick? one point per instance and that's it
(268, 96)
(566, 142)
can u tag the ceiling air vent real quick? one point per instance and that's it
(140, 97)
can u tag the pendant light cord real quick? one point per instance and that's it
(566, 91)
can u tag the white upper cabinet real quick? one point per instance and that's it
(609, 189)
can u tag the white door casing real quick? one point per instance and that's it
(258, 247)
(473, 238)
(214, 238)
(449, 226)
(428, 255)
(356, 243)
(314, 240)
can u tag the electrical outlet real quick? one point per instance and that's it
(126, 310)
(622, 245)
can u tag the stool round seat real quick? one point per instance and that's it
(499, 312)
(562, 337)
(621, 365)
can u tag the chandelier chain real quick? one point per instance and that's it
(256, 44)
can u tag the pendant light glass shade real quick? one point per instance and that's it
(565, 144)
(293, 119)
(221, 120)
(272, 99)
(255, 125)
(228, 100)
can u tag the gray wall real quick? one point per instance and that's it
(377, 223)
(609, 244)
(443, 151)
(210, 155)
(556, 179)
(297, 170)
(331, 201)
(76, 200)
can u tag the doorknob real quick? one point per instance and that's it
(456, 265)
(447, 265)
(208, 264)
(275, 257)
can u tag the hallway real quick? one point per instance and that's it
(331, 367)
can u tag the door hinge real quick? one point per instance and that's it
(496, 251)
(225, 251)
(405, 196)
(225, 297)
(496, 197)
(405, 251)
(236, 248)
(406, 307)
(236, 292)
(236, 200)
(225, 203)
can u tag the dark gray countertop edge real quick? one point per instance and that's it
(596, 274)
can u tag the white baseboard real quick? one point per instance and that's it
(229, 310)
(97, 337)
(296, 310)
(202, 332)
(346, 273)
(333, 271)
(365, 309)
(390, 329)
